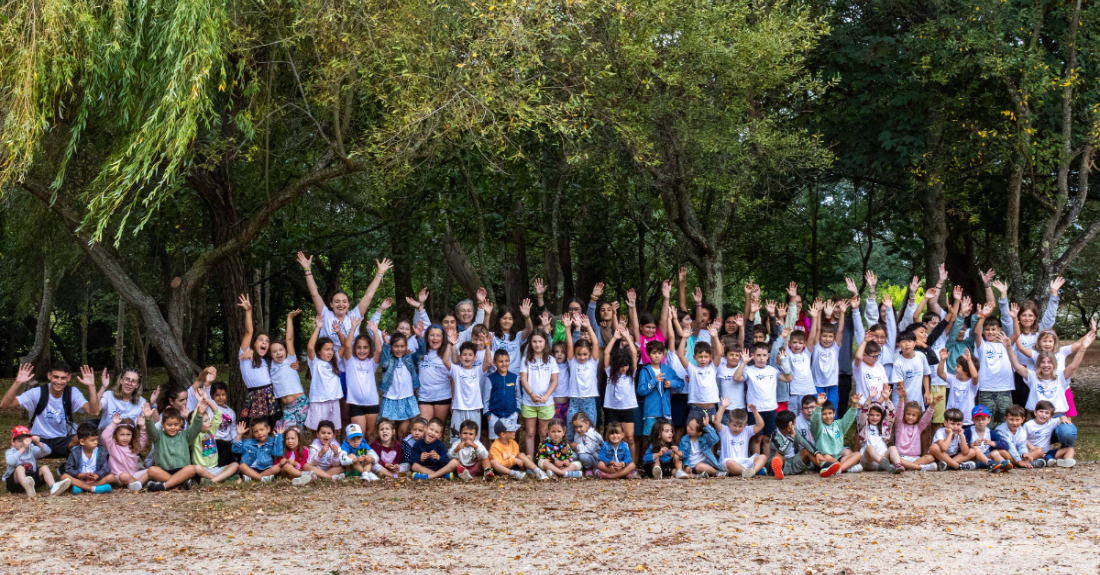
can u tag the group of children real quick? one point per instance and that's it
(758, 393)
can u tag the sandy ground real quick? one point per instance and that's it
(1042, 521)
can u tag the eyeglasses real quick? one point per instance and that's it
(127, 380)
(874, 355)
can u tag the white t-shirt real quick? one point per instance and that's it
(467, 387)
(50, 423)
(435, 378)
(941, 434)
(802, 382)
(227, 427)
(912, 372)
(360, 376)
(324, 381)
(825, 367)
(802, 427)
(254, 376)
(1038, 434)
(1028, 341)
(401, 385)
(960, 396)
(539, 373)
(110, 405)
(869, 379)
(87, 464)
(735, 446)
(1052, 390)
(994, 368)
(327, 317)
(976, 438)
(285, 379)
(620, 392)
(582, 378)
(696, 456)
(727, 387)
(702, 384)
(874, 439)
(761, 383)
(512, 345)
(562, 390)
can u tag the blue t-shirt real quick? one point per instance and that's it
(502, 397)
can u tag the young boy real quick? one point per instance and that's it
(761, 381)
(87, 467)
(868, 372)
(911, 370)
(504, 455)
(826, 355)
(1039, 431)
(359, 459)
(962, 386)
(734, 440)
(656, 384)
(995, 380)
(792, 454)
(502, 394)
(702, 380)
(258, 453)
(417, 429)
(23, 471)
(467, 403)
(800, 348)
(429, 456)
(829, 434)
(204, 449)
(586, 442)
(802, 422)
(949, 446)
(727, 387)
(989, 453)
(471, 455)
(1014, 437)
(171, 448)
(226, 425)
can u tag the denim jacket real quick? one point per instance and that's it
(259, 457)
(410, 360)
(658, 400)
(706, 444)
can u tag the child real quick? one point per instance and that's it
(555, 455)
(325, 454)
(416, 432)
(620, 398)
(87, 468)
(325, 391)
(988, 452)
(23, 471)
(762, 381)
(292, 462)
(727, 386)
(802, 422)
(826, 354)
(995, 382)
(911, 371)
(171, 449)
(466, 403)
(701, 380)
(662, 457)
(906, 451)
(539, 378)
(587, 442)
(1039, 431)
(873, 429)
(471, 455)
(1049, 381)
(949, 445)
(561, 392)
(502, 392)
(868, 373)
(800, 348)
(696, 447)
(583, 363)
(204, 450)
(359, 358)
(400, 380)
(389, 452)
(124, 444)
(791, 453)
(504, 455)
(615, 461)
(735, 442)
(657, 381)
(1014, 437)
(357, 455)
(252, 358)
(227, 426)
(259, 452)
(829, 434)
(962, 387)
(429, 456)
(286, 384)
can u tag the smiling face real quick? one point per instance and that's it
(434, 337)
(465, 313)
(467, 358)
(879, 336)
(506, 321)
(58, 380)
(615, 437)
(362, 349)
(827, 416)
(827, 338)
(449, 323)
(220, 396)
(171, 426)
(404, 328)
(911, 416)
(1043, 415)
(399, 347)
(580, 427)
(582, 354)
(278, 352)
(1027, 318)
(433, 433)
(1045, 368)
(340, 305)
(1045, 342)
(648, 330)
(991, 333)
(128, 383)
(667, 433)
(874, 417)
(262, 344)
(325, 435)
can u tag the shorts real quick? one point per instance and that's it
(783, 406)
(474, 469)
(696, 411)
(561, 410)
(324, 410)
(458, 416)
(679, 410)
(295, 413)
(937, 411)
(1051, 453)
(618, 415)
(544, 412)
(493, 423)
(356, 410)
(173, 471)
(910, 458)
(16, 487)
(832, 394)
(59, 446)
(260, 402)
(695, 468)
(437, 402)
(744, 462)
(215, 470)
(769, 422)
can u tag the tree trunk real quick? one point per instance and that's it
(515, 263)
(120, 335)
(39, 354)
(141, 349)
(565, 261)
(815, 272)
(402, 273)
(459, 264)
(551, 200)
(85, 313)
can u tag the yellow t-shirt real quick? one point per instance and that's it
(504, 453)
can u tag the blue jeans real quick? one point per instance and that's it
(1066, 434)
(831, 394)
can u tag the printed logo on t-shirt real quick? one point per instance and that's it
(1047, 388)
(994, 352)
(53, 415)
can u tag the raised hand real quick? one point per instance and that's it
(412, 302)
(386, 304)
(828, 309)
(770, 306)
(683, 274)
(792, 289)
(597, 291)
(384, 266)
(337, 327)
(525, 307)
(1001, 287)
(146, 410)
(540, 286)
(280, 426)
(1056, 285)
(744, 355)
(423, 296)
(614, 306)
(26, 373)
(943, 273)
(725, 402)
(631, 297)
(305, 262)
(987, 308)
(1014, 310)
(116, 418)
(913, 285)
(697, 295)
(872, 279)
(87, 377)
(567, 320)
(666, 289)
(851, 285)
(244, 303)
(153, 397)
(956, 293)
(418, 329)
(987, 276)
(585, 322)
(887, 300)
(714, 327)
(482, 294)
(242, 427)
(944, 354)
(966, 306)
(544, 318)
(781, 310)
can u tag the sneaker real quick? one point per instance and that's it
(573, 474)
(338, 477)
(102, 488)
(59, 487)
(703, 475)
(601, 475)
(1068, 462)
(722, 473)
(417, 476)
(541, 475)
(266, 479)
(830, 470)
(658, 473)
(1039, 463)
(135, 486)
(465, 474)
(589, 473)
(681, 474)
(777, 467)
(77, 491)
(28, 486)
(968, 466)
(370, 476)
(518, 474)
(186, 485)
(898, 468)
(857, 468)
(154, 486)
(245, 478)
(941, 466)
(747, 473)
(1007, 466)
(489, 475)
(302, 480)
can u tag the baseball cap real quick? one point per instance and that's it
(979, 410)
(505, 425)
(353, 430)
(19, 431)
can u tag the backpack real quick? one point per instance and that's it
(44, 400)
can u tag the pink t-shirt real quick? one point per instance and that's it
(643, 340)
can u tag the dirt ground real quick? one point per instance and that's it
(963, 522)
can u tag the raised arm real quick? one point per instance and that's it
(940, 367)
(872, 302)
(528, 327)
(666, 291)
(310, 347)
(383, 266)
(681, 352)
(739, 373)
(1019, 368)
(681, 290)
(290, 334)
(987, 309)
(24, 375)
(632, 304)
(716, 342)
(1070, 369)
(347, 341)
(860, 350)
(567, 322)
(373, 328)
(1051, 312)
(839, 338)
(619, 332)
(307, 263)
(816, 314)
(591, 336)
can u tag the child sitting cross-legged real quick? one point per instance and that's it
(873, 426)
(989, 453)
(357, 456)
(87, 467)
(23, 471)
(258, 452)
(472, 457)
(430, 459)
(696, 446)
(662, 457)
(829, 436)
(124, 444)
(792, 454)
(906, 451)
(388, 448)
(949, 446)
(171, 448)
(735, 441)
(325, 454)
(292, 462)
(204, 449)
(615, 462)
(555, 456)
(504, 455)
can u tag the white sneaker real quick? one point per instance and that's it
(857, 468)
(929, 467)
(246, 478)
(681, 474)
(747, 473)
(722, 473)
(968, 465)
(302, 479)
(518, 474)
(267, 478)
(658, 473)
(703, 475)
(338, 477)
(59, 487)
(466, 475)
(541, 475)
(369, 476)
(28, 486)
(135, 486)
(1069, 462)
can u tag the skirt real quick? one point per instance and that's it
(260, 402)
(400, 409)
(295, 413)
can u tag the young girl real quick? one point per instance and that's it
(1048, 381)
(124, 399)
(962, 386)
(587, 442)
(615, 461)
(295, 457)
(561, 392)
(696, 448)
(390, 454)
(359, 360)
(662, 458)
(873, 427)
(285, 381)
(906, 452)
(555, 455)
(204, 450)
(324, 388)
(539, 378)
(644, 327)
(325, 453)
(620, 397)
(400, 381)
(260, 401)
(583, 387)
(1024, 319)
(508, 336)
(124, 443)
(403, 326)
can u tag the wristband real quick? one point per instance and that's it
(309, 273)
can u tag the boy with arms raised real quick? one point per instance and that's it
(829, 434)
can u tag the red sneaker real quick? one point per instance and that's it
(777, 467)
(830, 470)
